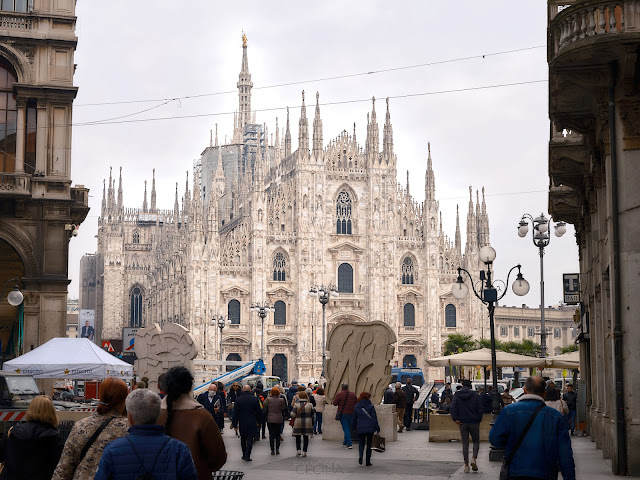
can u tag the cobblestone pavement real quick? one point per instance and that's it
(412, 456)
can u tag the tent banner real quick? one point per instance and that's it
(88, 371)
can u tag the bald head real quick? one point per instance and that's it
(246, 388)
(534, 385)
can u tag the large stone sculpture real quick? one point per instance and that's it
(360, 353)
(159, 349)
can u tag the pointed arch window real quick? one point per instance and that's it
(279, 267)
(343, 214)
(135, 298)
(409, 315)
(233, 310)
(345, 278)
(136, 236)
(407, 271)
(280, 314)
(450, 316)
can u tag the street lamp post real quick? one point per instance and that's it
(262, 308)
(323, 293)
(489, 296)
(221, 321)
(541, 238)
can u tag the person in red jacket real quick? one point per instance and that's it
(346, 403)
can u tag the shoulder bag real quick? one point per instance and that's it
(504, 470)
(338, 412)
(93, 438)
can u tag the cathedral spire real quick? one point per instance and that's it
(104, 198)
(287, 138)
(277, 144)
(317, 129)
(244, 89)
(458, 238)
(387, 141)
(144, 202)
(471, 224)
(303, 129)
(186, 202)
(176, 208)
(429, 181)
(120, 191)
(153, 192)
(355, 143)
(407, 182)
(210, 138)
(216, 144)
(373, 134)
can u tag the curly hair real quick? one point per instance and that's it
(178, 382)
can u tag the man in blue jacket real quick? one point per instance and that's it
(466, 411)
(546, 446)
(146, 450)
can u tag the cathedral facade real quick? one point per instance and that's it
(260, 222)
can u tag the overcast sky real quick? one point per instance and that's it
(492, 137)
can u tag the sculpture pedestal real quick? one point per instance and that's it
(387, 419)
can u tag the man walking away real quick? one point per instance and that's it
(146, 452)
(247, 415)
(466, 411)
(412, 395)
(346, 402)
(546, 446)
(400, 399)
(571, 398)
(485, 399)
(215, 404)
(388, 395)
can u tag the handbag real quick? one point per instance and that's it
(378, 443)
(338, 413)
(504, 469)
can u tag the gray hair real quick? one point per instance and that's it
(398, 384)
(144, 406)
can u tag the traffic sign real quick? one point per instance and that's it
(107, 344)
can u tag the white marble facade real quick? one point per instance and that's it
(260, 222)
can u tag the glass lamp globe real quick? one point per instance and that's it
(459, 289)
(520, 286)
(543, 227)
(521, 233)
(15, 297)
(487, 254)
(561, 229)
(523, 228)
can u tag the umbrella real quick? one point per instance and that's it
(567, 360)
(482, 357)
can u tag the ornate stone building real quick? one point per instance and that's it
(262, 222)
(594, 158)
(39, 209)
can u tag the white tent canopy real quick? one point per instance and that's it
(69, 358)
(567, 360)
(482, 357)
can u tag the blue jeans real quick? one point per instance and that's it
(571, 420)
(317, 427)
(345, 421)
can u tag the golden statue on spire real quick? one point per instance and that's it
(244, 39)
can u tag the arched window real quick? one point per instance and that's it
(136, 307)
(8, 118)
(409, 315)
(136, 236)
(233, 310)
(279, 267)
(280, 315)
(343, 214)
(409, 361)
(407, 271)
(450, 316)
(233, 357)
(345, 278)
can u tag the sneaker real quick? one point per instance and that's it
(298, 453)
(350, 447)
(466, 469)
(474, 466)
(273, 452)
(360, 460)
(277, 452)
(304, 454)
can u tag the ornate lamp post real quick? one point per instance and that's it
(541, 238)
(323, 293)
(262, 308)
(489, 296)
(221, 321)
(15, 296)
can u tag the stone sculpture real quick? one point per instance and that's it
(159, 349)
(360, 353)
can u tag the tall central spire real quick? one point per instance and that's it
(244, 88)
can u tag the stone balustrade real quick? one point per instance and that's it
(12, 184)
(589, 21)
(16, 21)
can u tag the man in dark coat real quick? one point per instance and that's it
(466, 411)
(247, 415)
(215, 404)
(412, 395)
(400, 399)
(486, 400)
(571, 398)
(293, 389)
(388, 395)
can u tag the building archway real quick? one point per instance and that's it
(410, 361)
(11, 318)
(233, 357)
(279, 364)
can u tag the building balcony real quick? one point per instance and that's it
(409, 331)
(15, 185)
(280, 330)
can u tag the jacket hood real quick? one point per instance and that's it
(33, 430)
(363, 403)
(465, 393)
